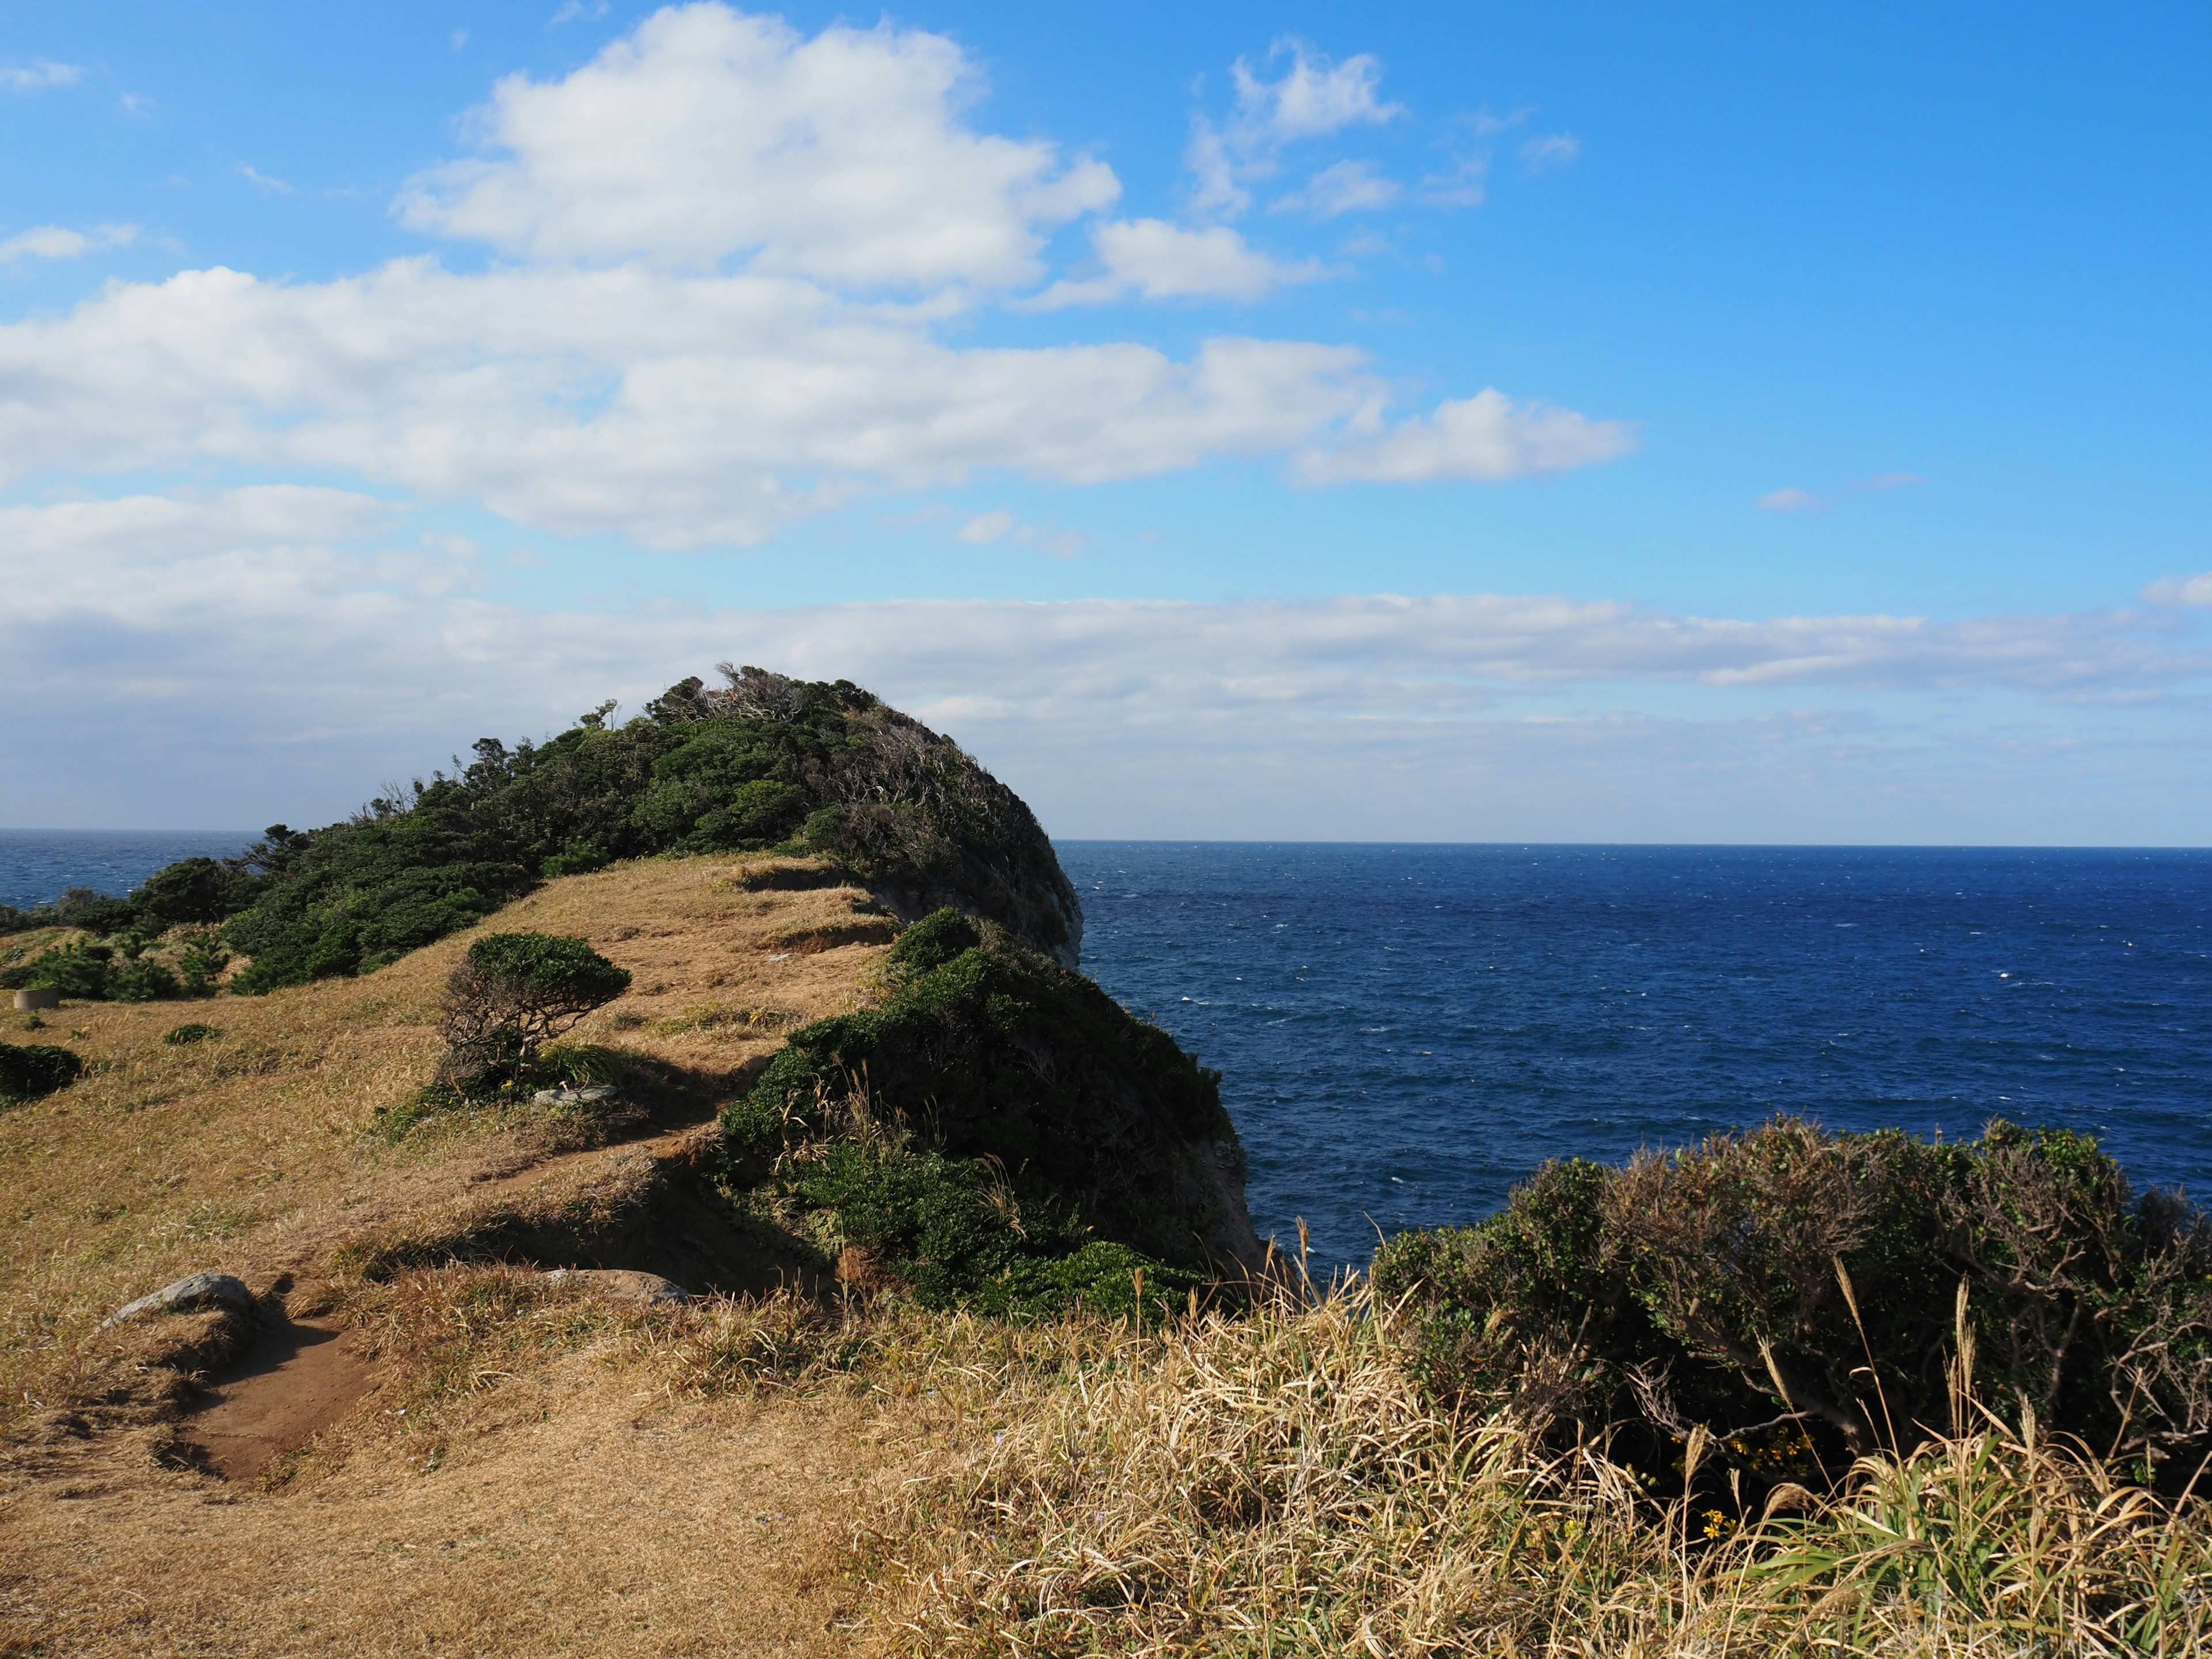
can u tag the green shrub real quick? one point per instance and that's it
(194, 1032)
(984, 1051)
(78, 971)
(29, 1070)
(998, 1133)
(199, 962)
(753, 765)
(512, 994)
(140, 980)
(1783, 1282)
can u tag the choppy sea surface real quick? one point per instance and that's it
(37, 865)
(1406, 1032)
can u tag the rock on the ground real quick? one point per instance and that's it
(625, 1283)
(590, 1095)
(194, 1291)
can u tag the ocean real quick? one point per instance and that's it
(37, 865)
(1405, 1032)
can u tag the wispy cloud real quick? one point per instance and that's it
(1790, 500)
(56, 242)
(1894, 481)
(1341, 188)
(2190, 592)
(37, 75)
(1550, 149)
(577, 11)
(1002, 525)
(1313, 98)
(206, 616)
(1488, 437)
(262, 181)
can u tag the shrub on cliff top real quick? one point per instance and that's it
(994, 1115)
(764, 760)
(512, 994)
(1784, 1282)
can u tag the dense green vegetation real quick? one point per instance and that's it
(996, 1131)
(764, 760)
(1800, 1294)
(29, 1070)
(512, 994)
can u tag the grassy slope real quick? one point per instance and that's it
(540, 1470)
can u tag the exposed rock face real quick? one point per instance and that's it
(195, 1290)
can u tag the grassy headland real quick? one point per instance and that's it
(973, 1363)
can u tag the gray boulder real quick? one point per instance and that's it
(625, 1284)
(194, 1291)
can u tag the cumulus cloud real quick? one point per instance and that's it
(1487, 436)
(54, 242)
(709, 135)
(1341, 188)
(38, 75)
(1311, 99)
(694, 348)
(1152, 259)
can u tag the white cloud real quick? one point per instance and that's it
(263, 182)
(1550, 149)
(271, 652)
(1152, 259)
(688, 409)
(2191, 592)
(1313, 98)
(1487, 436)
(1790, 500)
(1894, 481)
(708, 135)
(54, 242)
(1002, 525)
(682, 412)
(1341, 188)
(576, 11)
(37, 75)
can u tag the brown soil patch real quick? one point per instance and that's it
(300, 1379)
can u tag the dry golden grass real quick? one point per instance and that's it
(567, 1511)
(541, 1469)
(249, 1153)
(1272, 1483)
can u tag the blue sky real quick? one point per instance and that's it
(1581, 422)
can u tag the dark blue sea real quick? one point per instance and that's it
(1405, 1032)
(37, 865)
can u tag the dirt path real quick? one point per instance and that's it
(298, 1379)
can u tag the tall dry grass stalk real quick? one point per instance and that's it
(1271, 1483)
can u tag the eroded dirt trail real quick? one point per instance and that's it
(300, 1377)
